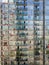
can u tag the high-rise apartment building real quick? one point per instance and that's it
(21, 32)
(38, 33)
(24, 27)
(46, 32)
(7, 33)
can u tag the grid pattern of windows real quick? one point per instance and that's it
(24, 26)
(7, 33)
(21, 32)
(46, 32)
(38, 34)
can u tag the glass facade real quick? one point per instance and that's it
(21, 32)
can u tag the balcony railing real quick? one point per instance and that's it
(21, 44)
(24, 49)
(23, 9)
(22, 13)
(23, 59)
(21, 3)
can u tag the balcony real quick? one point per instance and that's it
(22, 59)
(36, 13)
(37, 53)
(22, 34)
(21, 23)
(37, 48)
(22, 13)
(37, 8)
(22, 38)
(36, 0)
(20, 0)
(47, 52)
(24, 64)
(36, 29)
(37, 63)
(21, 3)
(36, 24)
(38, 44)
(21, 44)
(36, 18)
(23, 54)
(24, 44)
(21, 28)
(23, 9)
(23, 49)
(22, 18)
(36, 3)
(37, 58)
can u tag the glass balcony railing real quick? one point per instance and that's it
(36, 24)
(21, 28)
(24, 59)
(36, 13)
(21, 44)
(37, 18)
(24, 64)
(36, 3)
(23, 49)
(25, 18)
(37, 58)
(22, 18)
(23, 54)
(21, 3)
(37, 48)
(22, 9)
(37, 53)
(20, 23)
(36, 0)
(22, 34)
(38, 44)
(19, 0)
(37, 63)
(21, 13)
